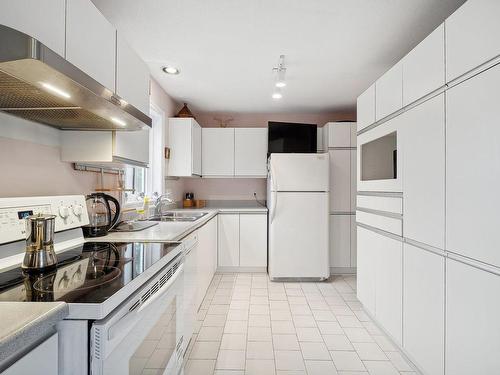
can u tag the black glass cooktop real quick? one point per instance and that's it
(88, 273)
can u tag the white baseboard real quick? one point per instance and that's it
(241, 269)
(342, 270)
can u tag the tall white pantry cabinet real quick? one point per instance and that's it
(432, 285)
(339, 140)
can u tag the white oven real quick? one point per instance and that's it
(144, 333)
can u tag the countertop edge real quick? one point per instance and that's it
(16, 342)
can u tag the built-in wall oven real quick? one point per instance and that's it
(145, 334)
(380, 158)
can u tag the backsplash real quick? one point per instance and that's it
(226, 188)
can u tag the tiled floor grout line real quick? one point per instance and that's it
(313, 295)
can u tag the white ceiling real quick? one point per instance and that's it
(226, 48)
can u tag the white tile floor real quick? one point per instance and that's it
(248, 325)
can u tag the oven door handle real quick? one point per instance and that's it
(126, 322)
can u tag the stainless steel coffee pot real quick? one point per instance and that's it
(40, 254)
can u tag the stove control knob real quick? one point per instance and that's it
(77, 210)
(64, 212)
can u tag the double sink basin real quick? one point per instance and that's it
(179, 216)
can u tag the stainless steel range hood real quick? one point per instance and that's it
(39, 85)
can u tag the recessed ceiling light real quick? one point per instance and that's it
(170, 70)
(277, 95)
(55, 90)
(117, 121)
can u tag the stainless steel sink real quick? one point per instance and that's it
(179, 216)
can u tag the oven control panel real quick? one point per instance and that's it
(70, 212)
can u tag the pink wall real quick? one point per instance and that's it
(241, 189)
(164, 102)
(31, 169)
(226, 188)
(30, 162)
(260, 119)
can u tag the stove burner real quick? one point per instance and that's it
(61, 282)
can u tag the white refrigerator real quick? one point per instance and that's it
(298, 201)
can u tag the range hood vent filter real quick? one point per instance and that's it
(39, 85)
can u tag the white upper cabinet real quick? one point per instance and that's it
(132, 76)
(472, 36)
(90, 41)
(105, 147)
(250, 152)
(423, 67)
(423, 312)
(218, 152)
(366, 108)
(473, 167)
(44, 20)
(472, 325)
(389, 92)
(184, 141)
(340, 180)
(340, 134)
(133, 146)
(423, 143)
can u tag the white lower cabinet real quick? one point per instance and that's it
(253, 240)
(388, 285)
(242, 240)
(472, 325)
(380, 279)
(340, 240)
(367, 254)
(423, 313)
(41, 360)
(228, 253)
(190, 292)
(207, 257)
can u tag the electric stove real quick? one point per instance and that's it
(90, 272)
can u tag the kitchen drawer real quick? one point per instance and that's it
(379, 203)
(388, 224)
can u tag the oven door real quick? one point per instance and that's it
(145, 334)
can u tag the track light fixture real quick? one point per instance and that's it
(280, 71)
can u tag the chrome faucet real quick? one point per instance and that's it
(162, 200)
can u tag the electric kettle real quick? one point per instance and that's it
(101, 217)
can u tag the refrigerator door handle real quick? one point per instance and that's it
(273, 177)
(274, 205)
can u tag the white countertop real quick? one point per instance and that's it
(25, 323)
(175, 231)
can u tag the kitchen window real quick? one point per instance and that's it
(147, 181)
